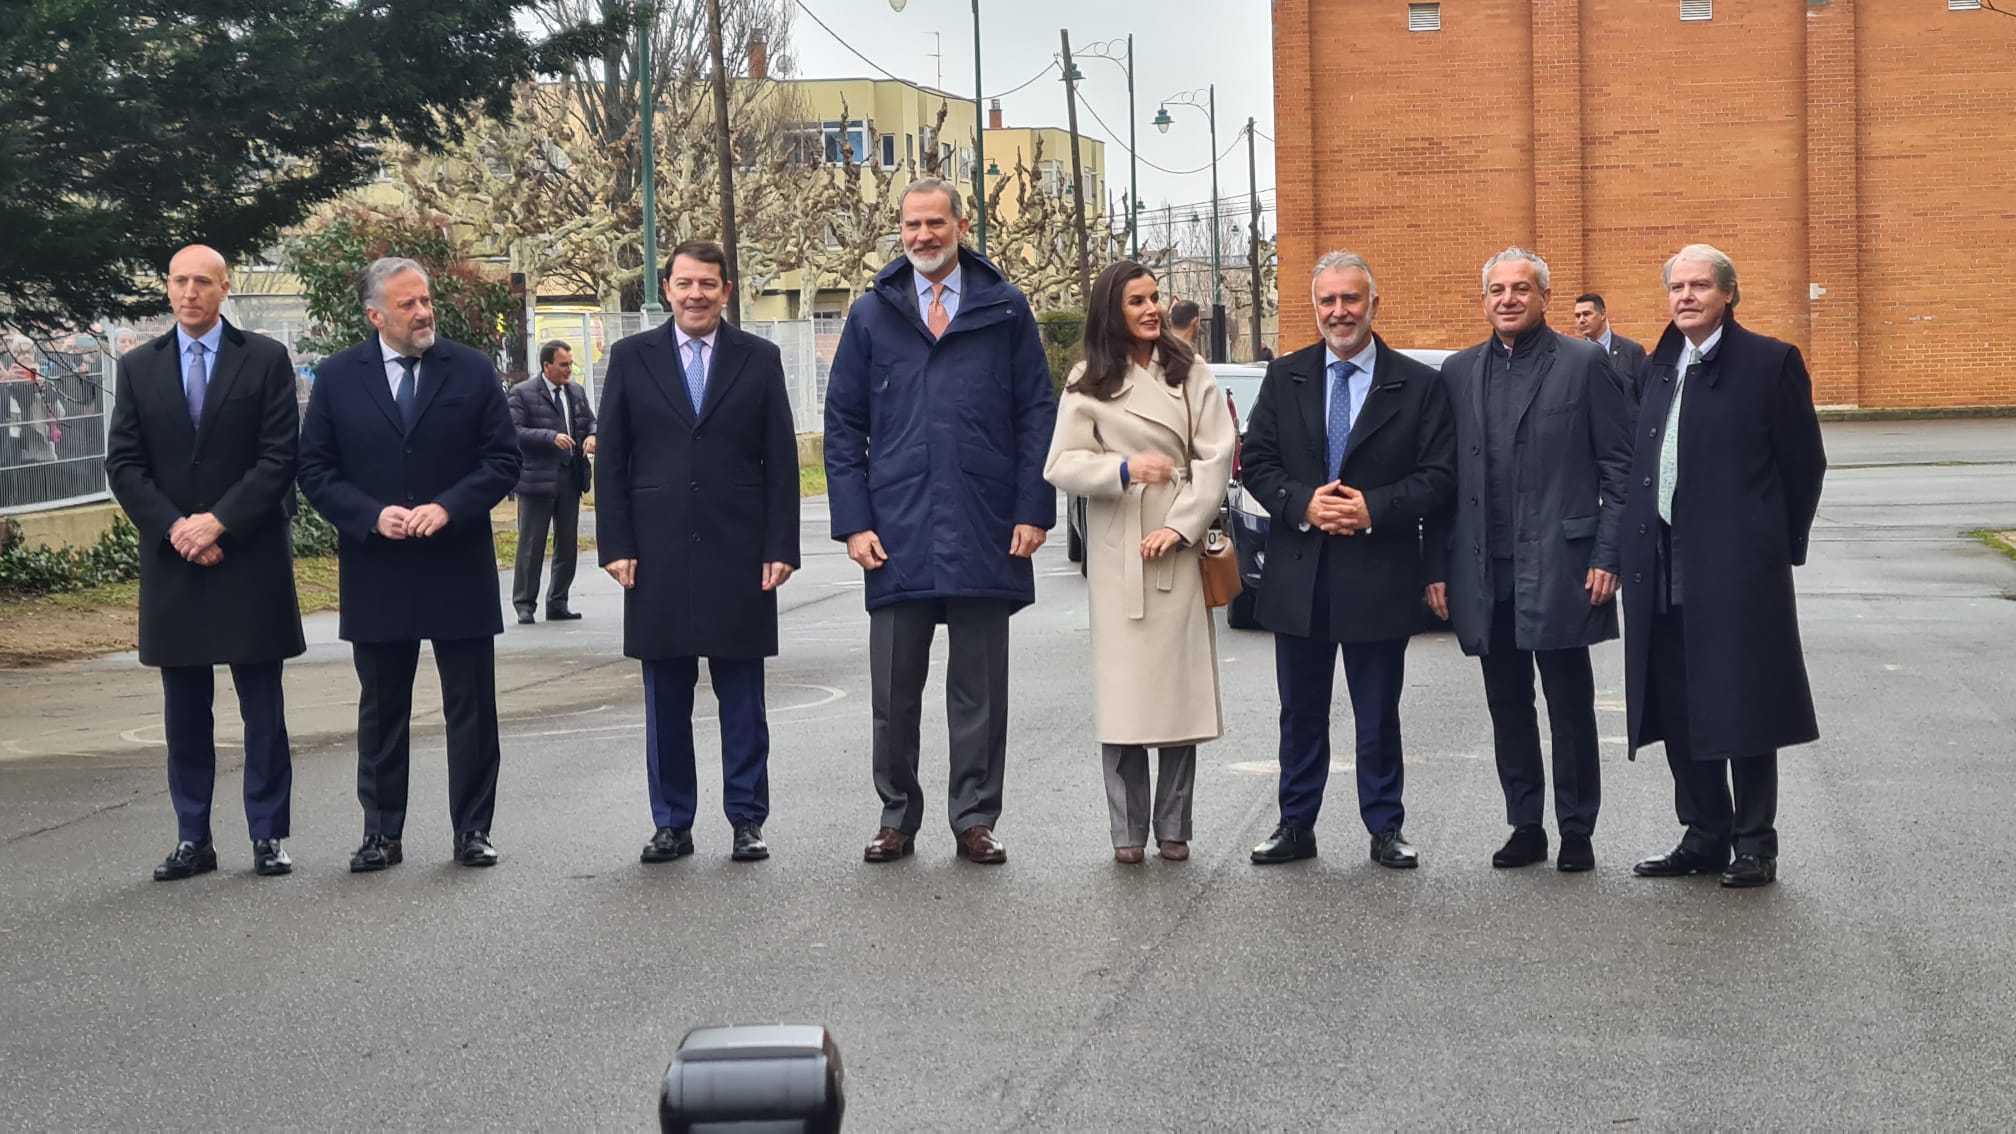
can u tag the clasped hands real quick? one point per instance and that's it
(624, 571)
(411, 523)
(195, 537)
(1338, 509)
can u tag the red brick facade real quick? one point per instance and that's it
(1852, 156)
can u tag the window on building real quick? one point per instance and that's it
(846, 141)
(1050, 177)
(909, 148)
(1697, 9)
(1424, 17)
(888, 151)
(802, 145)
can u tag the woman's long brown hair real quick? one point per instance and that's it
(1109, 344)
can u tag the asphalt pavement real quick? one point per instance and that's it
(1873, 987)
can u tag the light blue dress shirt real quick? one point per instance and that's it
(1360, 383)
(211, 340)
(950, 299)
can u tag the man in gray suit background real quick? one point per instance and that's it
(556, 436)
(1592, 322)
(1524, 562)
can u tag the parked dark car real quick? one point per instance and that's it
(1247, 521)
(1241, 383)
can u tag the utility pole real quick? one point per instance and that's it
(724, 156)
(1077, 178)
(646, 102)
(1253, 239)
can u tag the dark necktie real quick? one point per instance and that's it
(566, 427)
(405, 395)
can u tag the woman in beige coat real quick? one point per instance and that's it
(1143, 433)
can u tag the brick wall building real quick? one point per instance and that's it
(1852, 156)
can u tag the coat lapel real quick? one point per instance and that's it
(1150, 397)
(434, 365)
(376, 385)
(165, 363)
(1382, 402)
(668, 371)
(1307, 389)
(730, 352)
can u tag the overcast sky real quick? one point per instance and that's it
(1178, 45)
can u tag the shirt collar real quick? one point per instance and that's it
(1603, 340)
(1707, 344)
(391, 355)
(551, 385)
(680, 337)
(951, 282)
(1363, 360)
(211, 339)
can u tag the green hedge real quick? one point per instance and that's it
(115, 558)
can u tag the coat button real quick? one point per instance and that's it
(695, 486)
(696, 537)
(409, 450)
(1641, 529)
(1648, 482)
(1473, 501)
(1473, 450)
(409, 498)
(1637, 577)
(1654, 432)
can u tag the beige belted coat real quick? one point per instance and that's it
(1154, 643)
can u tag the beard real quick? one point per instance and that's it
(421, 339)
(928, 262)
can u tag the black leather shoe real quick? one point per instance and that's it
(525, 618)
(562, 616)
(1527, 846)
(1750, 870)
(1679, 863)
(1287, 844)
(472, 848)
(187, 860)
(1389, 849)
(749, 846)
(269, 858)
(377, 853)
(669, 843)
(1576, 855)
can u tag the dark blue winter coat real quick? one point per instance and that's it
(937, 446)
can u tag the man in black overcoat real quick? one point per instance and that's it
(201, 455)
(697, 518)
(406, 448)
(1523, 561)
(1725, 483)
(1349, 447)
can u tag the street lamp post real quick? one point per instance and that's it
(646, 101)
(1162, 122)
(1103, 51)
(979, 132)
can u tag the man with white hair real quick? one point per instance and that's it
(1523, 561)
(1724, 486)
(1349, 447)
(406, 447)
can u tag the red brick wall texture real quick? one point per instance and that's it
(1853, 157)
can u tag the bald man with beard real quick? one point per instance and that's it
(201, 455)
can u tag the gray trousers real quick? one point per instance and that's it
(1127, 793)
(563, 512)
(976, 706)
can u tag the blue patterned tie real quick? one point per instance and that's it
(405, 395)
(197, 383)
(1339, 426)
(696, 371)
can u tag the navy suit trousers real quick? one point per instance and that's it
(188, 693)
(1375, 673)
(668, 739)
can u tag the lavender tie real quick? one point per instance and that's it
(197, 384)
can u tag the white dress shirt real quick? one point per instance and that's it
(950, 299)
(394, 372)
(555, 390)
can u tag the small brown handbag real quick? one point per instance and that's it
(1217, 564)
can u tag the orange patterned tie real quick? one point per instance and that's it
(936, 318)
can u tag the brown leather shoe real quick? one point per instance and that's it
(1129, 855)
(1173, 851)
(888, 845)
(978, 844)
